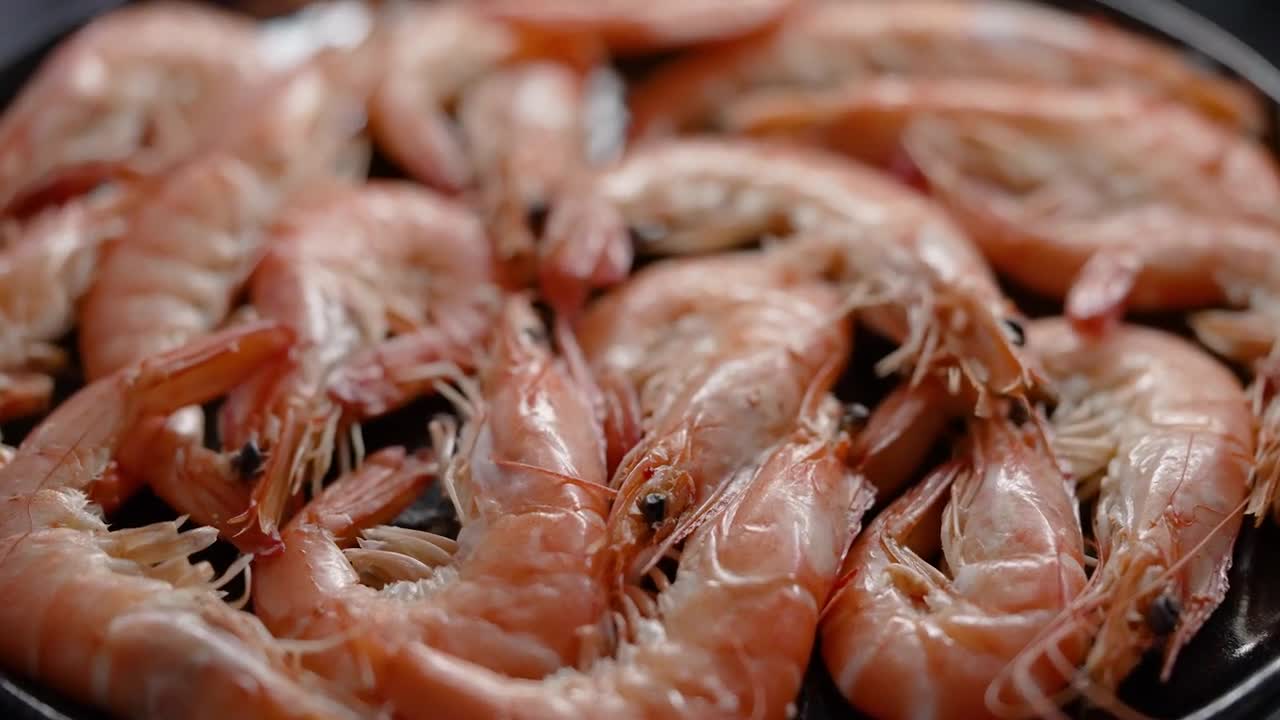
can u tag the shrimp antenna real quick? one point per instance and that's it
(579, 482)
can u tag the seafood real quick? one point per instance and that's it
(904, 639)
(628, 26)
(728, 637)
(129, 93)
(829, 43)
(123, 619)
(919, 280)
(1163, 434)
(344, 268)
(705, 364)
(518, 591)
(194, 240)
(45, 267)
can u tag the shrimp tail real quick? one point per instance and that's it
(1097, 299)
(587, 246)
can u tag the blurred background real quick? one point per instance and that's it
(22, 22)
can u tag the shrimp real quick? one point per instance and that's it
(129, 93)
(904, 639)
(921, 280)
(122, 619)
(193, 241)
(45, 268)
(518, 591)
(728, 637)
(676, 346)
(344, 267)
(1162, 433)
(829, 43)
(626, 26)
(526, 132)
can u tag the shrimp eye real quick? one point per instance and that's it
(654, 507)
(854, 417)
(536, 215)
(1162, 615)
(247, 461)
(1016, 334)
(1018, 413)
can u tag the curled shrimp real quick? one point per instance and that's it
(344, 267)
(704, 364)
(122, 619)
(917, 278)
(905, 639)
(728, 636)
(627, 26)
(129, 93)
(1162, 434)
(516, 593)
(829, 43)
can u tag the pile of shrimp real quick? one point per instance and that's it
(686, 339)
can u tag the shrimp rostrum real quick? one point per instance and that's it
(122, 619)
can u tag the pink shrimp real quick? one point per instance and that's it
(728, 637)
(830, 43)
(343, 270)
(1164, 436)
(517, 593)
(900, 257)
(122, 619)
(904, 639)
(627, 26)
(129, 93)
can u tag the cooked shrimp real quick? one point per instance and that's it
(517, 593)
(628, 26)
(45, 267)
(829, 43)
(122, 619)
(922, 281)
(194, 239)
(904, 639)
(729, 637)
(343, 268)
(130, 92)
(526, 132)
(1164, 436)
(712, 361)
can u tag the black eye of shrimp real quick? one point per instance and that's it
(536, 214)
(854, 417)
(654, 507)
(247, 461)
(1162, 615)
(1016, 333)
(1019, 414)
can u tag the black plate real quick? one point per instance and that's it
(1230, 670)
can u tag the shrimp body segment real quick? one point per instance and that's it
(728, 637)
(1164, 435)
(122, 619)
(902, 261)
(904, 639)
(517, 593)
(134, 89)
(831, 43)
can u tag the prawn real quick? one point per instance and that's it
(917, 277)
(1162, 435)
(905, 639)
(343, 269)
(129, 93)
(122, 619)
(672, 351)
(831, 43)
(625, 26)
(728, 636)
(516, 593)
